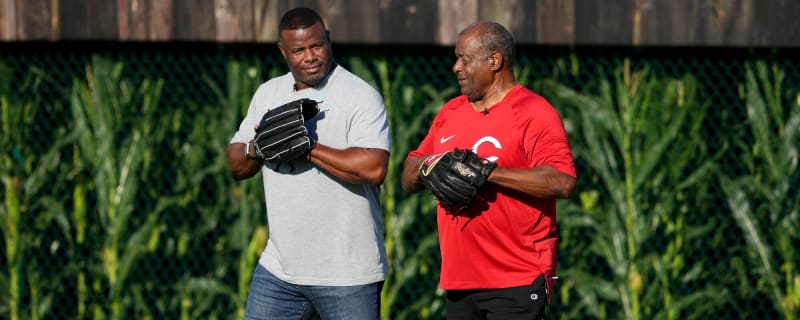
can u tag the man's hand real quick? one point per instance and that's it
(281, 134)
(454, 177)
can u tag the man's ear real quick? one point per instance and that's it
(496, 60)
(283, 51)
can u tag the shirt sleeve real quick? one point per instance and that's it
(546, 141)
(246, 131)
(426, 146)
(369, 124)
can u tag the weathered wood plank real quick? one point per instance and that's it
(777, 23)
(408, 21)
(555, 22)
(161, 20)
(678, 22)
(194, 20)
(603, 22)
(266, 20)
(732, 23)
(102, 23)
(36, 20)
(123, 25)
(234, 20)
(74, 19)
(723, 23)
(286, 5)
(8, 20)
(146, 20)
(130, 20)
(454, 16)
(351, 21)
(583, 22)
(518, 16)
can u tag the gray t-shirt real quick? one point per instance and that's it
(323, 231)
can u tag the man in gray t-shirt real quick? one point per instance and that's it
(325, 254)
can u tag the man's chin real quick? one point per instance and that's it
(310, 82)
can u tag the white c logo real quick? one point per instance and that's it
(487, 139)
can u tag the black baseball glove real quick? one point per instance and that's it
(454, 177)
(281, 135)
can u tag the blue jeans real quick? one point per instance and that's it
(272, 298)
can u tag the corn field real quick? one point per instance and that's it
(117, 203)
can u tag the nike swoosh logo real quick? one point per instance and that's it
(445, 139)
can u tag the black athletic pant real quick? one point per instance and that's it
(525, 302)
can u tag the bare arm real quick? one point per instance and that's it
(242, 167)
(410, 178)
(354, 165)
(542, 182)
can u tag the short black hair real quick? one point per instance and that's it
(299, 18)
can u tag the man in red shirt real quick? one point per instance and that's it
(499, 256)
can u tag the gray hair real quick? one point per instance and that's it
(493, 36)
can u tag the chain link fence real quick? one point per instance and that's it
(117, 203)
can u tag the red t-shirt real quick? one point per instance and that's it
(505, 239)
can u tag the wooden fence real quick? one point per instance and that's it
(742, 23)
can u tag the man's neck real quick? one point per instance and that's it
(494, 95)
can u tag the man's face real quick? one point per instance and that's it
(307, 52)
(472, 67)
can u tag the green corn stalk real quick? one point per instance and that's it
(114, 122)
(641, 140)
(240, 203)
(243, 80)
(14, 117)
(11, 219)
(28, 176)
(412, 256)
(764, 199)
(79, 215)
